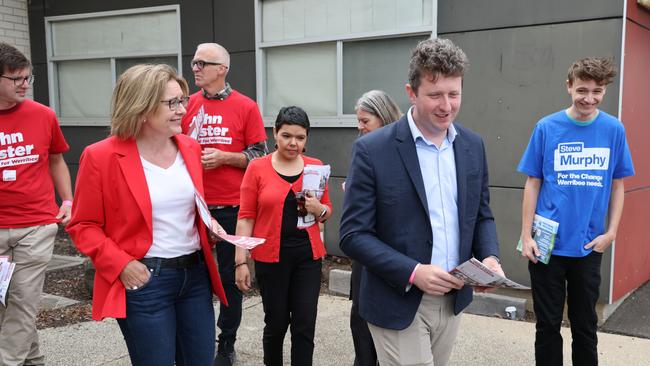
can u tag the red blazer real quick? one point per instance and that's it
(262, 198)
(112, 220)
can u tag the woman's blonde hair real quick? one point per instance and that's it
(137, 94)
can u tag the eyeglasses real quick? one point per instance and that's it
(200, 64)
(20, 80)
(173, 104)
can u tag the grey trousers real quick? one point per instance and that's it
(428, 341)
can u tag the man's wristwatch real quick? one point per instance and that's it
(495, 258)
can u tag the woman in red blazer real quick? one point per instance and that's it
(288, 264)
(135, 217)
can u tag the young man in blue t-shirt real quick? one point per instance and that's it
(575, 161)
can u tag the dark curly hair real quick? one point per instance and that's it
(600, 70)
(435, 57)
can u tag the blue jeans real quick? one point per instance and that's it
(171, 318)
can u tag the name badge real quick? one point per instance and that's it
(8, 175)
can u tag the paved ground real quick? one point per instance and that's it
(482, 341)
(633, 316)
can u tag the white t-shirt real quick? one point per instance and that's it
(173, 209)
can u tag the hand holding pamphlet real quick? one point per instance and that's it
(245, 242)
(6, 270)
(314, 181)
(475, 273)
(544, 232)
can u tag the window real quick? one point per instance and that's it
(323, 54)
(88, 52)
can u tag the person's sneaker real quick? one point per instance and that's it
(225, 359)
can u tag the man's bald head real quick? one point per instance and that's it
(217, 51)
(211, 74)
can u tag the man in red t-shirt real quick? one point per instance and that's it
(31, 166)
(229, 127)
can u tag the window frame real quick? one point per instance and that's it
(52, 73)
(340, 119)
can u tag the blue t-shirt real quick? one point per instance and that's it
(576, 163)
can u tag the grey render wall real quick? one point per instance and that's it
(519, 53)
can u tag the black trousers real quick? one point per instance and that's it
(577, 280)
(229, 316)
(289, 292)
(364, 349)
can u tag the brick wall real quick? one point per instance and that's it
(14, 27)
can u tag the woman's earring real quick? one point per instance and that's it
(276, 146)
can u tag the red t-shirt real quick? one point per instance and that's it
(29, 133)
(229, 125)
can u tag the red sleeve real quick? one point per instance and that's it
(249, 192)
(254, 126)
(58, 144)
(88, 220)
(326, 197)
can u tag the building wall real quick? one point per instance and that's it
(518, 64)
(519, 52)
(14, 27)
(14, 24)
(631, 254)
(201, 21)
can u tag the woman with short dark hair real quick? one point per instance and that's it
(288, 264)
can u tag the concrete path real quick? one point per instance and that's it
(64, 261)
(482, 341)
(57, 262)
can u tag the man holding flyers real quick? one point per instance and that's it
(417, 205)
(575, 161)
(229, 127)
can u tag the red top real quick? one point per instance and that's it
(29, 133)
(263, 193)
(112, 218)
(229, 125)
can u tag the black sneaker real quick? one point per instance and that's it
(225, 359)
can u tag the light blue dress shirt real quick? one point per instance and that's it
(438, 168)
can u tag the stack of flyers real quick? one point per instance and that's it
(6, 270)
(314, 181)
(246, 242)
(543, 232)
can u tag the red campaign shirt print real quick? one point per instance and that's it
(229, 125)
(29, 133)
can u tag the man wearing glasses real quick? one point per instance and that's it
(229, 127)
(31, 165)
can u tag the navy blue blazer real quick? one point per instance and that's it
(385, 225)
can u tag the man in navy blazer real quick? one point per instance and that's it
(417, 205)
